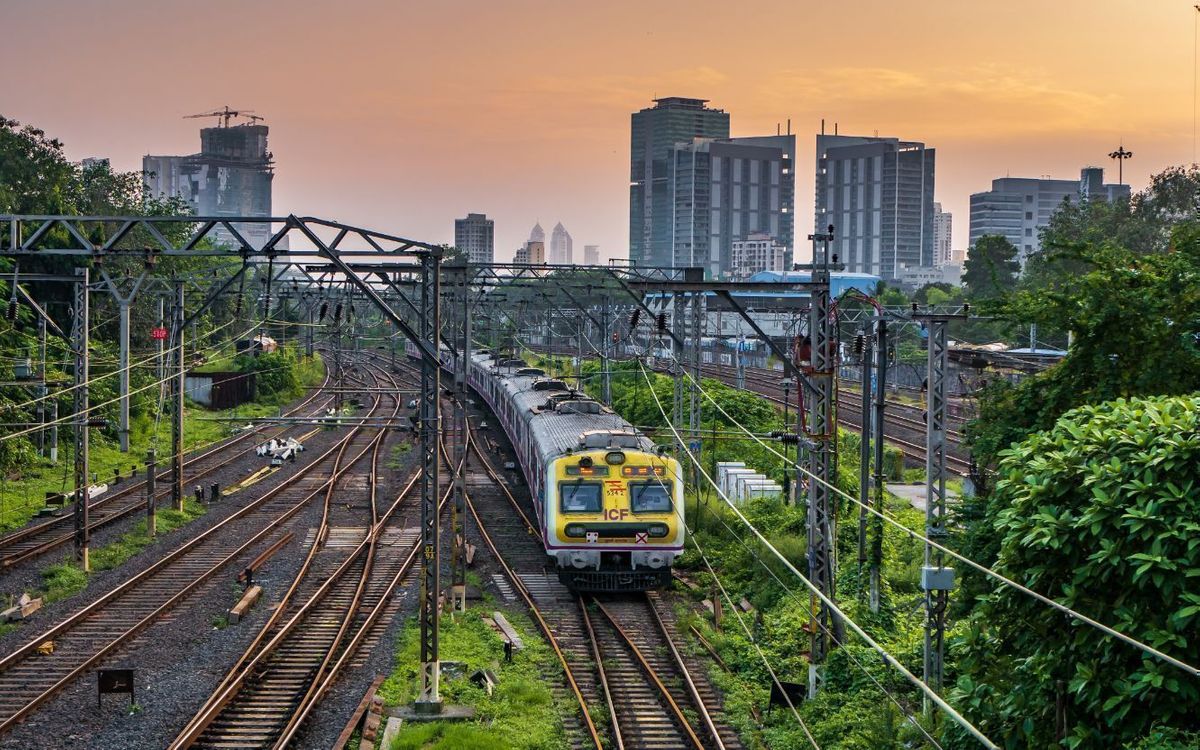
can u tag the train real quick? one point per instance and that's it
(609, 502)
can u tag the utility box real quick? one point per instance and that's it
(937, 579)
(23, 369)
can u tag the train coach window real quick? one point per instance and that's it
(579, 497)
(651, 497)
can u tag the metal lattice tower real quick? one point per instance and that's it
(79, 343)
(430, 324)
(821, 433)
(936, 579)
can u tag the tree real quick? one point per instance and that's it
(1100, 513)
(991, 268)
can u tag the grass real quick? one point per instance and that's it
(521, 714)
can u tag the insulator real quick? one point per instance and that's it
(634, 318)
(324, 309)
(662, 322)
(337, 312)
(789, 438)
(97, 422)
(860, 343)
(12, 309)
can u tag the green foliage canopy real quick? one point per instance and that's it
(1101, 513)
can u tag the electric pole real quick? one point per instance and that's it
(79, 342)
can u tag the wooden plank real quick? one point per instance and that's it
(507, 629)
(390, 731)
(356, 718)
(245, 603)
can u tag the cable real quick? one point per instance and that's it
(965, 560)
(887, 657)
(92, 407)
(753, 641)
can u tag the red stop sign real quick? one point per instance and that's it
(158, 333)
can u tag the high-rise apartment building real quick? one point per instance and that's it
(591, 255)
(532, 253)
(757, 252)
(724, 191)
(231, 176)
(943, 245)
(1019, 208)
(561, 246)
(878, 195)
(654, 133)
(475, 236)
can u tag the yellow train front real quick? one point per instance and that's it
(609, 503)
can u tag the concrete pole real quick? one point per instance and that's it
(605, 376)
(151, 470)
(177, 416)
(864, 457)
(42, 390)
(123, 343)
(881, 364)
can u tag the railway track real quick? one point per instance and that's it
(334, 603)
(904, 430)
(622, 658)
(36, 671)
(43, 537)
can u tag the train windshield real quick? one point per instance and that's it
(579, 497)
(651, 497)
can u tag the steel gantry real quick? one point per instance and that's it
(143, 237)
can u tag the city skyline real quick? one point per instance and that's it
(393, 147)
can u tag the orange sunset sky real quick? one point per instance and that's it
(401, 116)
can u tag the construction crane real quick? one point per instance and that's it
(227, 113)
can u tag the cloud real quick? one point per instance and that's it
(983, 100)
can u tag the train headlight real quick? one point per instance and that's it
(659, 530)
(579, 559)
(575, 530)
(614, 458)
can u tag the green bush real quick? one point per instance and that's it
(1101, 513)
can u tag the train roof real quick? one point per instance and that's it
(560, 418)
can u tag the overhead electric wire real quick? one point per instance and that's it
(753, 641)
(1150, 650)
(92, 407)
(130, 366)
(816, 591)
(758, 559)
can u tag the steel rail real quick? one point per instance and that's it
(680, 718)
(227, 689)
(134, 582)
(519, 585)
(19, 535)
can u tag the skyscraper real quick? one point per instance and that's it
(654, 131)
(537, 234)
(231, 176)
(475, 236)
(591, 255)
(878, 195)
(1019, 208)
(723, 191)
(943, 246)
(561, 246)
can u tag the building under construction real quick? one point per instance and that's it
(231, 176)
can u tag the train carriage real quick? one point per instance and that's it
(609, 503)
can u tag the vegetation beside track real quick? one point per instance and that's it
(522, 712)
(23, 489)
